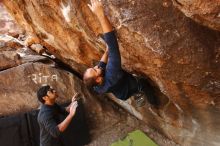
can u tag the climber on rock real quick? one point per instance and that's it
(108, 76)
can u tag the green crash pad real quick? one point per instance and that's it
(135, 138)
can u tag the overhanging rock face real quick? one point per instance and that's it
(179, 56)
(7, 24)
(205, 12)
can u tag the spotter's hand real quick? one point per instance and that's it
(75, 96)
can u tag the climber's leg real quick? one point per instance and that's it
(148, 90)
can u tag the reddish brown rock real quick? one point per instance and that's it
(30, 40)
(38, 48)
(205, 12)
(7, 24)
(14, 53)
(179, 56)
(8, 59)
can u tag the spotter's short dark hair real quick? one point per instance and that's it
(42, 91)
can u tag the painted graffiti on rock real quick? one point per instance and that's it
(42, 78)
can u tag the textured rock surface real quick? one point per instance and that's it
(7, 24)
(205, 12)
(180, 57)
(14, 53)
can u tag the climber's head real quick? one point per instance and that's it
(93, 76)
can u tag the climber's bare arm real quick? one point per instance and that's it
(97, 8)
(112, 58)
